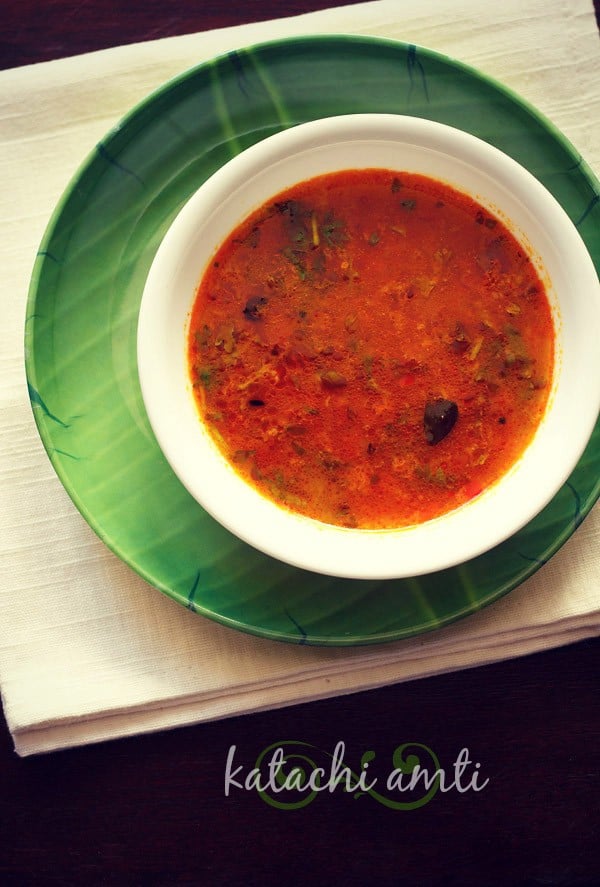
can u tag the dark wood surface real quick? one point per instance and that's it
(152, 809)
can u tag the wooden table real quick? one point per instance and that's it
(152, 809)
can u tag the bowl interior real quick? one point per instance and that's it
(402, 144)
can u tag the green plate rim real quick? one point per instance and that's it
(581, 510)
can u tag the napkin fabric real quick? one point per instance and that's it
(88, 651)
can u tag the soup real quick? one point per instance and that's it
(371, 348)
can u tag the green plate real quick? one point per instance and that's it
(85, 295)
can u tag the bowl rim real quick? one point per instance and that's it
(300, 541)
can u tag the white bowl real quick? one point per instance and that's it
(404, 144)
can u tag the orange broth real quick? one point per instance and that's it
(371, 348)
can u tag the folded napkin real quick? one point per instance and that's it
(88, 651)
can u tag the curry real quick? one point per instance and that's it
(371, 348)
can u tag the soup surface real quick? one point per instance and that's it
(371, 348)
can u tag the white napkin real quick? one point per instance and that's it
(88, 651)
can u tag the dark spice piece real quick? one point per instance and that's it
(291, 207)
(439, 419)
(254, 307)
